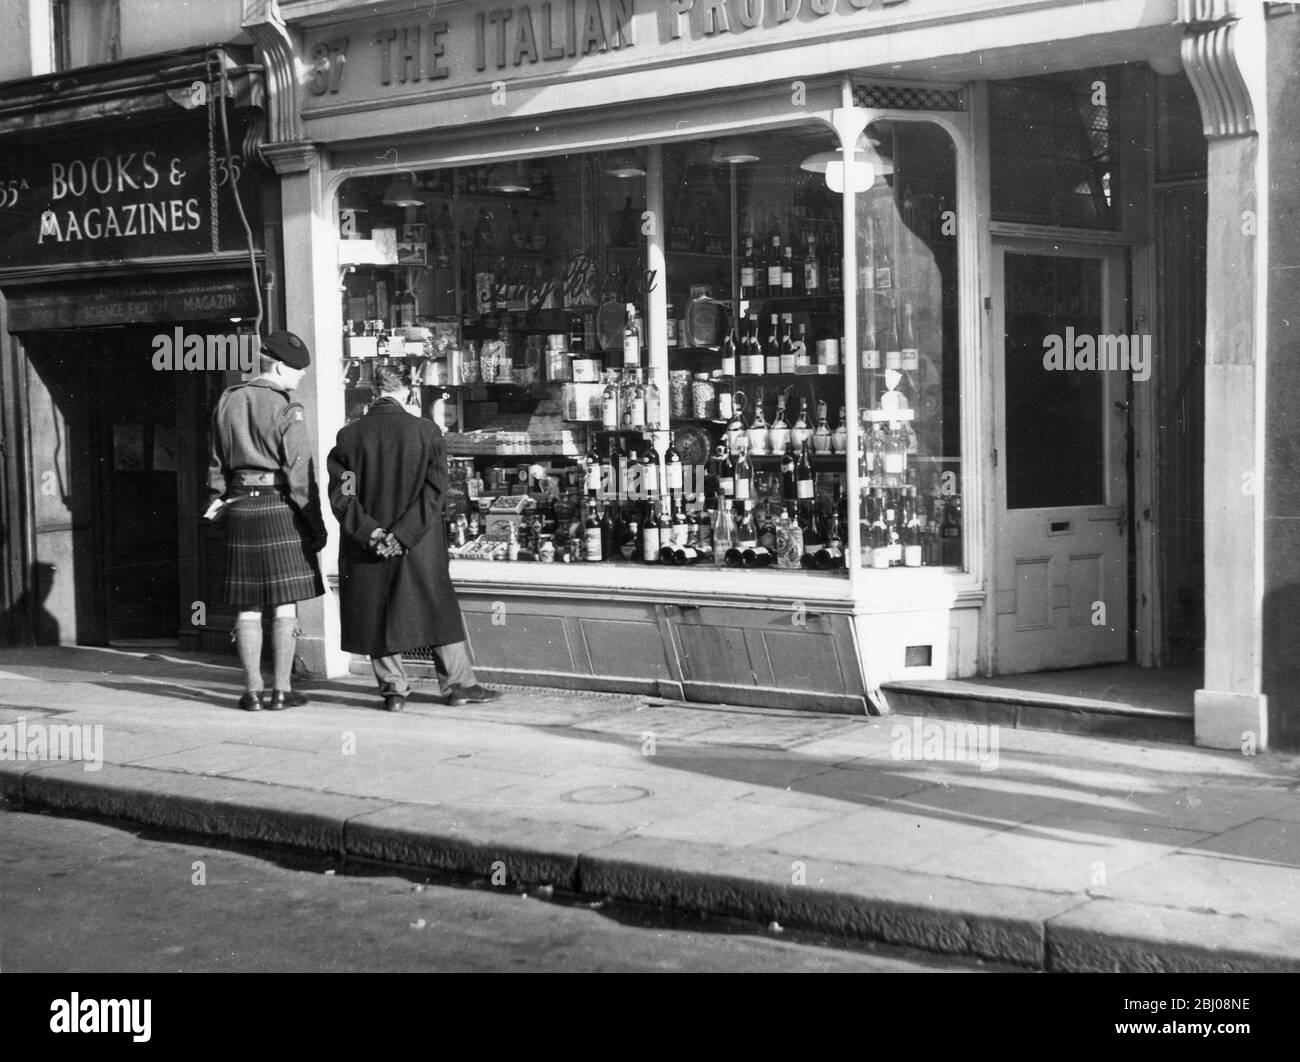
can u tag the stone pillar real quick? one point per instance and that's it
(1223, 54)
(311, 295)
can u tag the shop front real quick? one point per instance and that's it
(127, 282)
(785, 352)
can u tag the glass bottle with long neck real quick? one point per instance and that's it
(811, 268)
(631, 339)
(805, 481)
(636, 406)
(609, 412)
(729, 354)
(650, 470)
(672, 469)
(822, 440)
(744, 476)
(747, 267)
(912, 534)
(801, 432)
(774, 266)
(789, 476)
(840, 437)
(592, 463)
(724, 531)
(650, 544)
(909, 350)
(778, 434)
(772, 354)
(653, 404)
(726, 474)
(758, 429)
(787, 343)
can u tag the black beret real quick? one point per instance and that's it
(288, 348)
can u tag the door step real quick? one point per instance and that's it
(1008, 706)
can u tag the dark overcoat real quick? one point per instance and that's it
(389, 470)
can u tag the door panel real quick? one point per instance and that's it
(1061, 566)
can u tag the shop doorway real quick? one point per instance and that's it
(114, 459)
(1061, 567)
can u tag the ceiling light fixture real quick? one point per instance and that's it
(624, 163)
(736, 150)
(510, 178)
(402, 191)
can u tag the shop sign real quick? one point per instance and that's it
(492, 42)
(124, 194)
(202, 297)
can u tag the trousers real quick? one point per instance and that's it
(451, 662)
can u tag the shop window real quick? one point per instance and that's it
(580, 430)
(908, 379)
(86, 32)
(1055, 149)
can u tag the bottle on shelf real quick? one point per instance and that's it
(913, 535)
(805, 481)
(747, 267)
(672, 469)
(609, 536)
(892, 348)
(895, 455)
(631, 339)
(592, 478)
(650, 470)
(893, 536)
(726, 474)
(834, 263)
(884, 265)
(840, 437)
(760, 272)
(788, 272)
(871, 357)
(650, 545)
(729, 354)
(802, 431)
(754, 361)
(610, 481)
(822, 439)
(724, 531)
(630, 546)
(665, 526)
(757, 434)
(767, 533)
(789, 476)
(772, 355)
(774, 266)
(609, 403)
(787, 343)
(681, 521)
(592, 536)
(811, 268)
(735, 431)
(744, 476)
(653, 404)
(778, 435)
(909, 351)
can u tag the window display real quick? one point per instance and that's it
(520, 295)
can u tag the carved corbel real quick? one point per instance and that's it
(1212, 54)
(265, 24)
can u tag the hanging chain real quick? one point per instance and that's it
(212, 168)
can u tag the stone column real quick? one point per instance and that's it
(1223, 54)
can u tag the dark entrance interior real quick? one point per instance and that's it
(117, 461)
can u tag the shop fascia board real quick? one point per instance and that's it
(14, 276)
(1076, 33)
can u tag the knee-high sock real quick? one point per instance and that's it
(284, 636)
(248, 643)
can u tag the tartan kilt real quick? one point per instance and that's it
(268, 559)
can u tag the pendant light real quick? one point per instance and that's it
(509, 178)
(736, 150)
(859, 171)
(624, 163)
(402, 191)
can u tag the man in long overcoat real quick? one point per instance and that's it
(387, 481)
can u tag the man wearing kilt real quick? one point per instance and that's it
(262, 473)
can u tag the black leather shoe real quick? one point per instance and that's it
(394, 702)
(282, 699)
(470, 695)
(251, 701)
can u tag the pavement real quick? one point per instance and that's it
(1042, 850)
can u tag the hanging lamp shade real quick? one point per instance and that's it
(403, 192)
(624, 163)
(510, 178)
(735, 149)
(857, 172)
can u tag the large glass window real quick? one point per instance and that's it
(638, 356)
(909, 510)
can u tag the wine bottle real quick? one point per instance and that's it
(672, 469)
(774, 266)
(681, 522)
(631, 339)
(811, 268)
(910, 354)
(804, 479)
(892, 347)
(729, 354)
(912, 534)
(772, 361)
(802, 431)
(778, 435)
(884, 266)
(636, 403)
(609, 536)
(788, 272)
(592, 536)
(653, 404)
(789, 475)
(760, 272)
(787, 344)
(747, 267)
(609, 413)
(724, 531)
(592, 477)
(726, 474)
(650, 544)
(744, 476)
(650, 470)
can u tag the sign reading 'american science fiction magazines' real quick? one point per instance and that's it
(124, 193)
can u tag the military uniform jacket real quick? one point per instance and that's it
(257, 427)
(389, 470)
